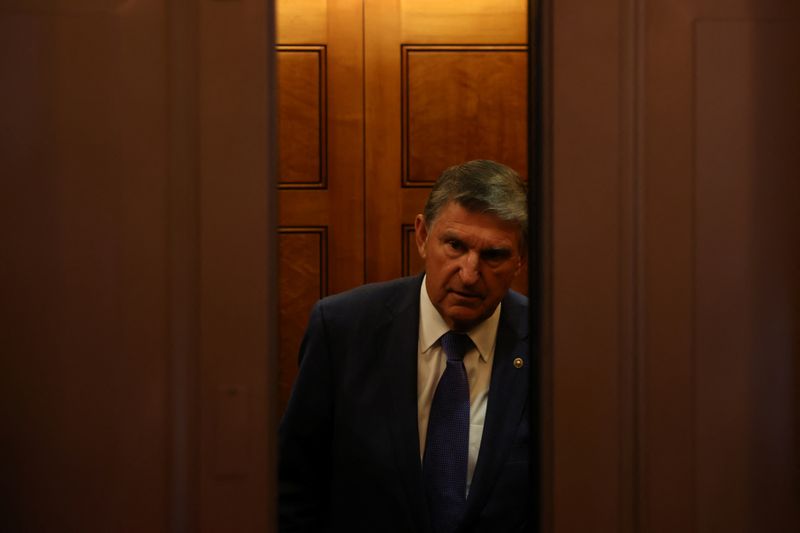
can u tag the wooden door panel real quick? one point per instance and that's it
(135, 224)
(674, 254)
(745, 250)
(84, 265)
(462, 103)
(302, 258)
(302, 102)
(320, 200)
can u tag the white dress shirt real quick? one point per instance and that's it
(432, 361)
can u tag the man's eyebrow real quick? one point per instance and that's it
(450, 235)
(496, 251)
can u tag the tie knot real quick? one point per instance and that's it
(455, 345)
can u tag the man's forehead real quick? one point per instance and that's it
(477, 238)
(483, 227)
(454, 210)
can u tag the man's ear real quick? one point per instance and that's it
(421, 233)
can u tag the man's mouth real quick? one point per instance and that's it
(466, 294)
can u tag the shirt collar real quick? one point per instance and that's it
(432, 326)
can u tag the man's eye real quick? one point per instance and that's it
(495, 255)
(455, 245)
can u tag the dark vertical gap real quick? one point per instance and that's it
(536, 252)
(272, 286)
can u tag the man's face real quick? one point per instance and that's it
(470, 261)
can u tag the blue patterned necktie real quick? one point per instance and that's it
(444, 464)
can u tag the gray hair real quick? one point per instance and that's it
(482, 186)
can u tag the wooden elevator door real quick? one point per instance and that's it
(375, 99)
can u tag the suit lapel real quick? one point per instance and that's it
(508, 394)
(400, 379)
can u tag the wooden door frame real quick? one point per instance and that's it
(223, 267)
(603, 302)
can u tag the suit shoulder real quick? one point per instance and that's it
(517, 299)
(372, 297)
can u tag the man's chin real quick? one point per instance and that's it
(464, 318)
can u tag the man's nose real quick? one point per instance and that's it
(469, 268)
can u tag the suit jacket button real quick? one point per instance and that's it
(518, 362)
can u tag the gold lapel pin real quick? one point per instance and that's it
(518, 362)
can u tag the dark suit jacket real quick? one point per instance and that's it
(349, 444)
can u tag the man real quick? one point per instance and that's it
(410, 410)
